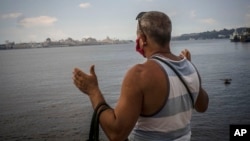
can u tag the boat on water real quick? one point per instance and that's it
(227, 81)
(235, 37)
(240, 37)
(245, 37)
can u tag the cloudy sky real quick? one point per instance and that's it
(36, 20)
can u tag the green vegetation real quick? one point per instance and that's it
(221, 34)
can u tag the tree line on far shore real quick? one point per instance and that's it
(221, 34)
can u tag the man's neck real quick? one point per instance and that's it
(163, 51)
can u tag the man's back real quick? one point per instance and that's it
(170, 116)
(156, 85)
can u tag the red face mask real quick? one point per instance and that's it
(138, 49)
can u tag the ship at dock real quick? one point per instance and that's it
(244, 36)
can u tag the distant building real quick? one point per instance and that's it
(222, 36)
(108, 40)
(9, 45)
(63, 43)
(89, 40)
(2, 46)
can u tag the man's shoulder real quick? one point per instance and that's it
(136, 69)
(147, 68)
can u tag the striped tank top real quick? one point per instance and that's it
(172, 122)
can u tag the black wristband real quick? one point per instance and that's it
(95, 119)
(99, 105)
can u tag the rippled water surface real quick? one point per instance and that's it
(39, 102)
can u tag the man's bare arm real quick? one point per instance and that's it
(117, 123)
(202, 101)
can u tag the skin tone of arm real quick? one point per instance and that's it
(117, 123)
(202, 101)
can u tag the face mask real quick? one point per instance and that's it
(138, 49)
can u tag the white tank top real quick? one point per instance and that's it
(172, 122)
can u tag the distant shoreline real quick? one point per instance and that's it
(54, 46)
(38, 45)
(48, 43)
(66, 43)
(215, 34)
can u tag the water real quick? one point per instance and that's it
(38, 100)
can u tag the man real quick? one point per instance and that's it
(154, 104)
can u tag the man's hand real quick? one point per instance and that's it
(86, 83)
(186, 53)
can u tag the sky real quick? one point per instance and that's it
(37, 20)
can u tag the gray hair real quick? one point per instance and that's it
(155, 25)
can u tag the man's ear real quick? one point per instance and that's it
(144, 39)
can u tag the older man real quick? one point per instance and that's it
(156, 102)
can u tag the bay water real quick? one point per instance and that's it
(38, 100)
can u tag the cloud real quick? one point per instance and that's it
(209, 21)
(11, 15)
(84, 5)
(37, 21)
(192, 14)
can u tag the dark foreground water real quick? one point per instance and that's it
(39, 102)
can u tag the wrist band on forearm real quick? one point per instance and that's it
(94, 127)
(100, 105)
